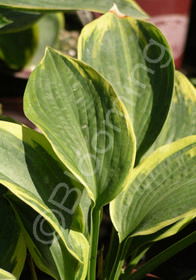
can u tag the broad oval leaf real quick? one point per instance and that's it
(32, 172)
(17, 20)
(161, 191)
(6, 275)
(127, 7)
(85, 122)
(181, 120)
(135, 57)
(12, 244)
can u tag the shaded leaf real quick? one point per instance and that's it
(32, 172)
(16, 49)
(3, 21)
(161, 191)
(12, 245)
(85, 122)
(162, 257)
(7, 119)
(127, 7)
(135, 57)
(138, 245)
(181, 120)
(48, 251)
(54, 23)
(16, 20)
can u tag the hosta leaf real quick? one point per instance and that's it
(135, 57)
(85, 122)
(16, 21)
(53, 22)
(17, 48)
(39, 241)
(181, 120)
(161, 191)
(50, 257)
(12, 245)
(128, 7)
(31, 171)
(4, 275)
(139, 244)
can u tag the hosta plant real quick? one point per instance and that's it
(105, 120)
(26, 28)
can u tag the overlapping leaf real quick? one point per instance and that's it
(85, 122)
(32, 172)
(53, 22)
(17, 48)
(12, 245)
(181, 120)
(161, 191)
(135, 57)
(12, 20)
(127, 7)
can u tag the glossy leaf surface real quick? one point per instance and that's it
(135, 57)
(85, 122)
(127, 7)
(161, 191)
(33, 173)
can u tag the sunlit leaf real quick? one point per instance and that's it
(127, 7)
(32, 172)
(85, 122)
(4, 275)
(135, 57)
(161, 191)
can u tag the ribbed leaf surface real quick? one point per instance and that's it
(161, 191)
(135, 57)
(32, 172)
(85, 122)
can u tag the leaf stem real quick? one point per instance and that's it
(117, 267)
(94, 243)
(110, 259)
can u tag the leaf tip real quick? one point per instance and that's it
(116, 12)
